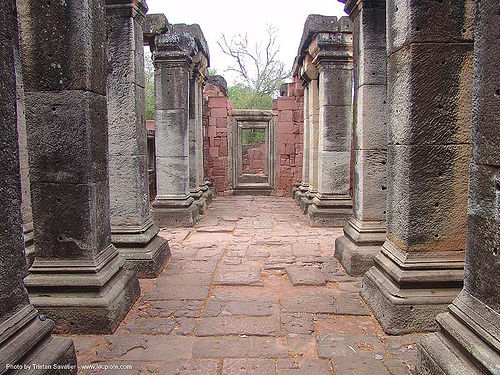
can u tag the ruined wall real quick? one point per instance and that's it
(215, 108)
(289, 136)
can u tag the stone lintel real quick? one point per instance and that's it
(154, 24)
(127, 8)
(353, 7)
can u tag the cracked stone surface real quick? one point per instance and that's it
(251, 289)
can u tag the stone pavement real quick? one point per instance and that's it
(252, 289)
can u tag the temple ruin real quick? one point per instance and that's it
(352, 228)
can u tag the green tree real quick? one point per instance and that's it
(260, 72)
(150, 85)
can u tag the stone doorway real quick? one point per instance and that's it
(252, 151)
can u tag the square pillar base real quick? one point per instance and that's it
(467, 343)
(329, 210)
(406, 291)
(359, 245)
(144, 251)
(299, 192)
(179, 211)
(306, 200)
(27, 340)
(83, 298)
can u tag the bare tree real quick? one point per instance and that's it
(257, 65)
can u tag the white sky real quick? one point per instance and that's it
(250, 16)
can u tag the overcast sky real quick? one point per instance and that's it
(250, 16)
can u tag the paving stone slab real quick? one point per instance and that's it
(298, 323)
(188, 309)
(238, 275)
(304, 275)
(352, 346)
(173, 292)
(239, 325)
(184, 326)
(359, 365)
(181, 279)
(248, 366)
(315, 303)
(240, 347)
(307, 367)
(397, 367)
(151, 326)
(144, 348)
(188, 367)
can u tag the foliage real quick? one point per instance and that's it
(253, 136)
(150, 85)
(259, 69)
(247, 98)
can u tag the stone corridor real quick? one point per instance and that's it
(251, 289)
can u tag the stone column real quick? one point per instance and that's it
(365, 232)
(173, 54)
(419, 270)
(332, 54)
(23, 160)
(304, 184)
(469, 336)
(78, 276)
(132, 229)
(25, 338)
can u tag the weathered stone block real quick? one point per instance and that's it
(67, 141)
(174, 173)
(409, 22)
(370, 131)
(335, 128)
(431, 85)
(171, 133)
(171, 87)
(61, 52)
(334, 176)
(335, 86)
(438, 172)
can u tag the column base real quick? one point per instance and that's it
(359, 245)
(468, 341)
(299, 192)
(306, 200)
(200, 200)
(208, 192)
(81, 296)
(329, 210)
(406, 291)
(174, 212)
(26, 340)
(144, 251)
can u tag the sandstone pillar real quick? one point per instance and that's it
(313, 123)
(77, 277)
(469, 338)
(365, 232)
(173, 54)
(132, 229)
(332, 54)
(419, 270)
(304, 183)
(23, 160)
(24, 337)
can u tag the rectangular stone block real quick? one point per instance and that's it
(335, 86)
(66, 137)
(335, 124)
(62, 52)
(217, 102)
(334, 175)
(171, 87)
(371, 68)
(430, 85)
(409, 22)
(172, 175)
(370, 131)
(64, 232)
(171, 135)
(428, 187)
(370, 184)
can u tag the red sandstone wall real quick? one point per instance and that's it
(289, 137)
(215, 107)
